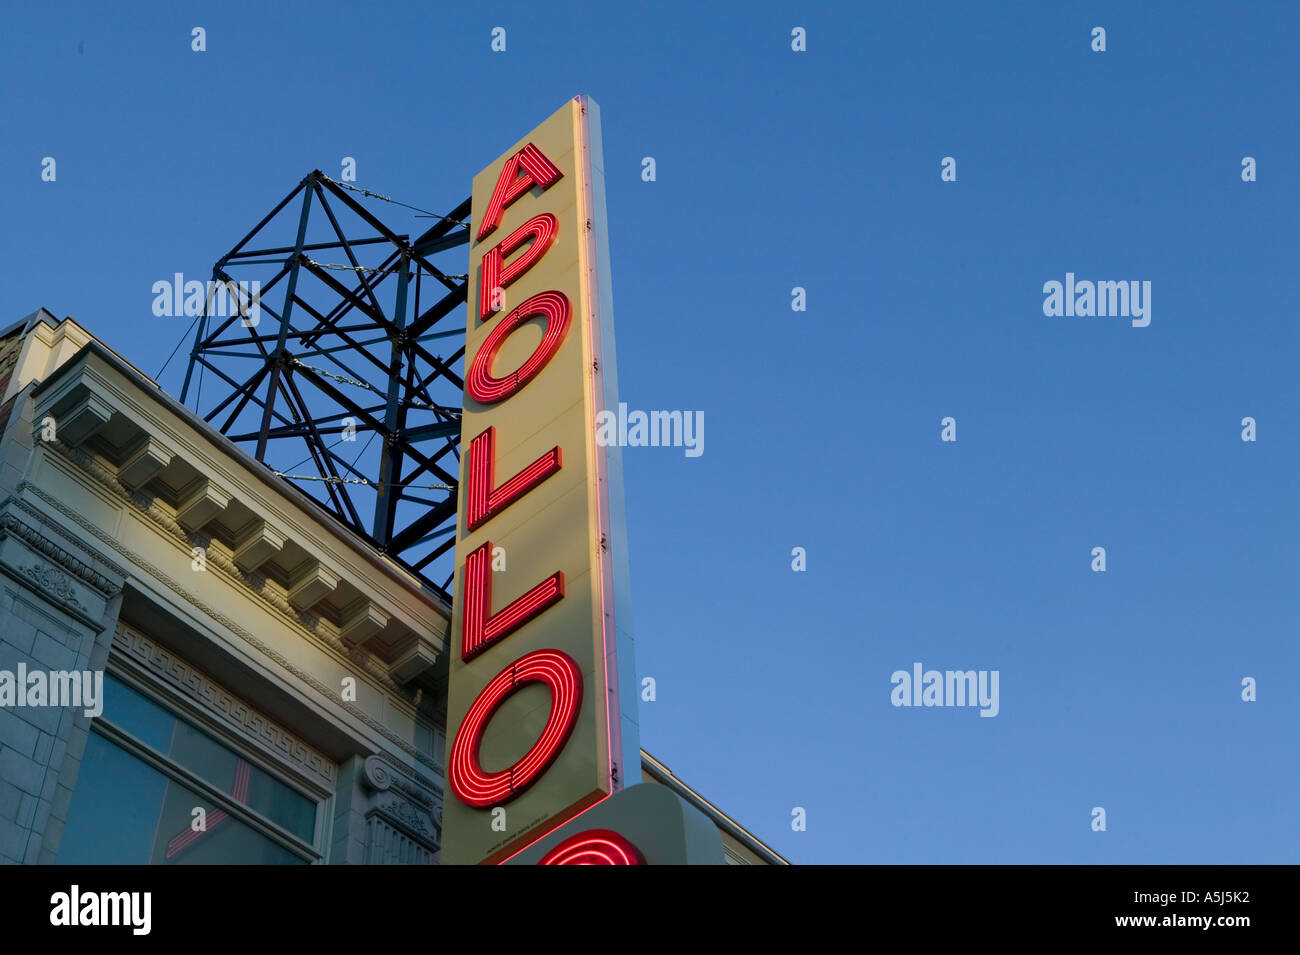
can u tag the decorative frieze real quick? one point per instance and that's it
(56, 584)
(47, 548)
(227, 708)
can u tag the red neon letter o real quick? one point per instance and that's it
(480, 384)
(469, 781)
(594, 847)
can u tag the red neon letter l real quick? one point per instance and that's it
(485, 501)
(482, 628)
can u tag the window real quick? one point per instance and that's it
(144, 774)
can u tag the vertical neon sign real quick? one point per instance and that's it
(541, 694)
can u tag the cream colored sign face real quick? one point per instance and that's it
(533, 677)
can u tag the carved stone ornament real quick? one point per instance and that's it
(55, 583)
(378, 775)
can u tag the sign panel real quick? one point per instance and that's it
(646, 824)
(541, 672)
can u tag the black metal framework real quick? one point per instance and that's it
(368, 345)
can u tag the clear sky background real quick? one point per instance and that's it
(821, 169)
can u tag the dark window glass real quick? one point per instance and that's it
(186, 745)
(126, 812)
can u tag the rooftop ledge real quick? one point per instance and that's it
(144, 446)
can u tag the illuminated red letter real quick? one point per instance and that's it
(479, 383)
(484, 501)
(537, 171)
(476, 787)
(542, 230)
(481, 628)
(594, 847)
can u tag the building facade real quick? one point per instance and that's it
(198, 664)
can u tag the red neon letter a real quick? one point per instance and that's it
(485, 501)
(482, 628)
(537, 171)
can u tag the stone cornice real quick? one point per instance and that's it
(302, 620)
(327, 693)
(119, 388)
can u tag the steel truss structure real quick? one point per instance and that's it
(351, 386)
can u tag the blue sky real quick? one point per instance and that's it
(821, 169)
